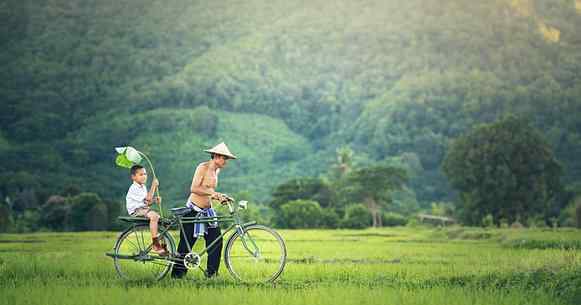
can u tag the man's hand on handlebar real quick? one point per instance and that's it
(227, 199)
(222, 198)
(216, 196)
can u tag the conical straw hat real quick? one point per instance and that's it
(221, 149)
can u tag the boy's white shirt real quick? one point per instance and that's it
(136, 197)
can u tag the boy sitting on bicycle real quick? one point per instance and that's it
(138, 201)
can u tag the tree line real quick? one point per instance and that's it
(395, 81)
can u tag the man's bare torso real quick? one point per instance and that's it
(207, 178)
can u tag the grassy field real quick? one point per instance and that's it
(374, 266)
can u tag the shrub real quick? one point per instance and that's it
(503, 223)
(567, 217)
(28, 221)
(97, 217)
(442, 208)
(329, 219)
(488, 221)
(56, 213)
(412, 222)
(356, 217)
(393, 220)
(4, 217)
(578, 214)
(301, 214)
(82, 206)
(537, 221)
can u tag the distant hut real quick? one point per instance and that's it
(436, 220)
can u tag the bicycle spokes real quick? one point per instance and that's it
(258, 255)
(134, 259)
(250, 245)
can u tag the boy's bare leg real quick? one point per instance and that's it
(153, 227)
(153, 219)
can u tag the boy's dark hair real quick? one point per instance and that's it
(134, 169)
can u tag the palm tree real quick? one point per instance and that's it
(374, 185)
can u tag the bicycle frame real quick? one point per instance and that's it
(179, 221)
(219, 219)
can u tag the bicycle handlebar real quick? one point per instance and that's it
(242, 205)
(229, 200)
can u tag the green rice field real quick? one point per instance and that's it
(374, 266)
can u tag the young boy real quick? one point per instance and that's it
(139, 200)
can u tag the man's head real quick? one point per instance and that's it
(138, 174)
(219, 160)
(220, 154)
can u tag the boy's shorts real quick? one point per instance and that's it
(140, 212)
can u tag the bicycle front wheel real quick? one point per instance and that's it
(257, 255)
(132, 259)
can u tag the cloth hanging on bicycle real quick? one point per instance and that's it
(200, 228)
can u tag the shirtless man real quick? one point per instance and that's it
(202, 191)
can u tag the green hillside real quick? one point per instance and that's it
(283, 83)
(268, 151)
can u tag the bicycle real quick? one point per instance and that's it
(253, 253)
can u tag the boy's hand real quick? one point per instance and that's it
(155, 183)
(158, 199)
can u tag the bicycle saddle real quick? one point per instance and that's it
(180, 211)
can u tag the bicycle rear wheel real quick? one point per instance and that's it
(133, 261)
(257, 255)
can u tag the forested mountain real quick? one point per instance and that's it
(284, 83)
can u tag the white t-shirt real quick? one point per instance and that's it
(136, 197)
